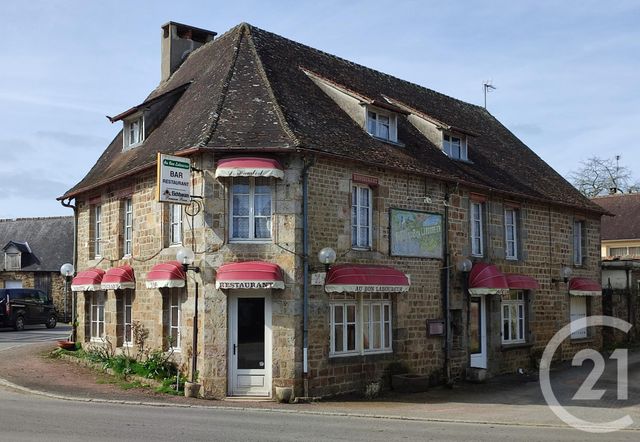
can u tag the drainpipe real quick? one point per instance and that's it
(446, 294)
(305, 278)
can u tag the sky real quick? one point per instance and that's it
(566, 72)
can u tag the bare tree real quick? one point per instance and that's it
(600, 176)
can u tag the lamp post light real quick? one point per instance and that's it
(185, 256)
(67, 271)
(327, 256)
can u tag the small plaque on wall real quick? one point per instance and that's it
(435, 327)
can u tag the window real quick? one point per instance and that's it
(12, 261)
(360, 325)
(382, 125)
(251, 208)
(578, 238)
(97, 230)
(513, 318)
(361, 217)
(128, 226)
(133, 131)
(578, 310)
(96, 310)
(127, 334)
(511, 233)
(173, 335)
(477, 243)
(175, 224)
(455, 147)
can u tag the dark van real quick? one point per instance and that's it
(20, 307)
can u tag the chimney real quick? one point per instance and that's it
(178, 41)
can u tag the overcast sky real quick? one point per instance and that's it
(567, 72)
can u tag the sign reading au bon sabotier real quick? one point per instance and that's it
(173, 179)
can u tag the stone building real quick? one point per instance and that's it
(33, 250)
(442, 235)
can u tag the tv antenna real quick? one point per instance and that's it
(488, 87)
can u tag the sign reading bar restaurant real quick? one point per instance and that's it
(173, 179)
(416, 233)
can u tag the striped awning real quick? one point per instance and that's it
(88, 280)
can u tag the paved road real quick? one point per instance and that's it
(31, 418)
(32, 333)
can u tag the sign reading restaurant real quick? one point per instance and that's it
(173, 179)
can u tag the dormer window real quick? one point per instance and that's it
(133, 131)
(382, 125)
(455, 146)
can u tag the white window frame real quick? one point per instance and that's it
(477, 228)
(374, 125)
(252, 217)
(127, 307)
(175, 311)
(175, 224)
(365, 329)
(357, 222)
(127, 237)
(512, 308)
(97, 230)
(133, 132)
(448, 142)
(511, 227)
(578, 226)
(96, 316)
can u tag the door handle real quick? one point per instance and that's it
(234, 349)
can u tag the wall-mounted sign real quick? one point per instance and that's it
(173, 179)
(415, 233)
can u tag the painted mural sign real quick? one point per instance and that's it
(416, 233)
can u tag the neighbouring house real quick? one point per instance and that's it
(33, 250)
(344, 222)
(620, 248)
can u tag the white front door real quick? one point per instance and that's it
(478, 331)
(250, 344)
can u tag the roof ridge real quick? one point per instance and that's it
(265, 78)
(6, 220)
(225, 87)
(361, 66)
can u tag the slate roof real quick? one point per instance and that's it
(248, 92)
(625, 224)
(50, 241)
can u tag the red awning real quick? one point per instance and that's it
(584, 287)
(521, 282)
(486, 279)
(87, 280)
(119, 278)
(365, 278)
(249, 166)
(166, 274)
(249, 275)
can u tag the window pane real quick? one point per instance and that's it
(263, 227)
(262, 205)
